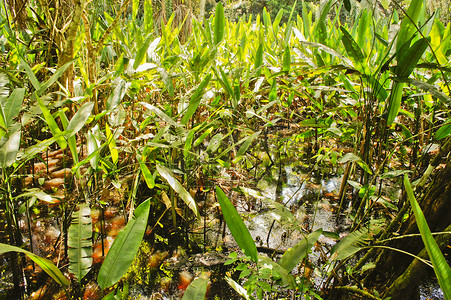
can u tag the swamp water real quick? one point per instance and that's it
(278, 212)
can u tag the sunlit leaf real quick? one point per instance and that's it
(219, 23)
(441, 267)
(178, 188)
(236, 225)
(45, 264)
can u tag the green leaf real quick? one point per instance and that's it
(92, 146)
(167, 81)
(31, 76)
(410, 58)
(51, 123)
(111, 144)
(177, 186)
(287, 278)
(351, 47)
(10, 146)
(45, 264)
(54, 77)
(291, 258)
(196, 290)
(195, 99)
(258, 59)
(13, 105)
(118, 94)
(286, 60)
(441, 267)
(124, 248)
(428, 88)
(142, 51)
(247, 143)
(147, 175)
(79, 119)
(79, 242)
(238, 288)
(443, 131)
(408, 28)
(219, 23)
(237, 227)
(394, 101)
(350, 244)
(160, 114)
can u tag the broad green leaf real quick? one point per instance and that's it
(328, 50)
(142, 51)
(351, 47)
(51, 123)
(118, 94)
(79, 119)
(38, 193)
(195, 99)
(258, 62)
(287, 278)
(247, 143)
(111, 144)
(441, 267)
(238, 288)
(237, 227)
(167, 81)
(428, 88)
(31, 76)
(124, 248)
(45, 264)
(54, 77)
(394, 101)
(178, 188)
(71, 141)
(79, 242)
(92, 146)
(196, 290)
(363, 28)
(286, 59)
(443, 131)
(408, 28)
(409, 60)
(219, 23)
(148, 178)
(159, 113)
(224, 80)
(291, 258)
(350, 244)
(13, 105)
(9, 146)
(135, 6)
(202, 137)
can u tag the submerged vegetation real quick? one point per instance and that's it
(131, 137)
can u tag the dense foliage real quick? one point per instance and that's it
(152, 112)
